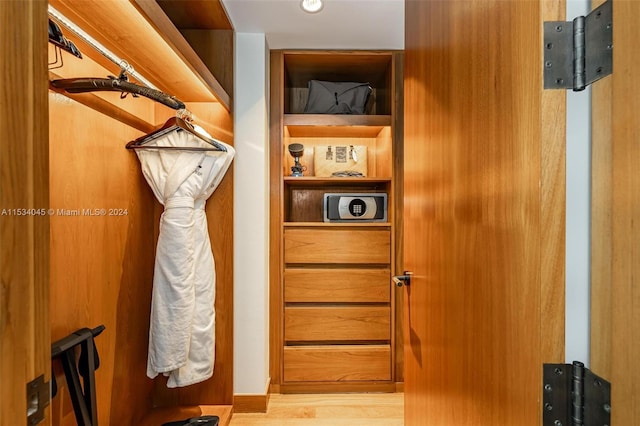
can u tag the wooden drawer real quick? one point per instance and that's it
(337, 285)
(337, 363)
(324, 323)
(338, 245)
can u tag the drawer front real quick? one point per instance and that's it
(337, 363)
(320, 323)
(342, 245)
(337, 285)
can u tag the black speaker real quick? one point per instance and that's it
(348, 207)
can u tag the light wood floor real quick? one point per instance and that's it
(328, 410)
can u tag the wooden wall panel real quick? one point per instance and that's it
(276, 215)
(552, 208)
(601, 225)
(616, 212)
(397, 215)
(109, 280)
(24, 239)
(101, 265)
(479, 193)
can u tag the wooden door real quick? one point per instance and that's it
(615, 213)
(484, 212)
(24, 225)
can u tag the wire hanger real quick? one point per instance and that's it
(181, 122)
(60, 43)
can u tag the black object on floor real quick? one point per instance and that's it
(83, 397)
(196, 421)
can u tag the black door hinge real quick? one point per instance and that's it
(579, 52)
(38, 398)
(573, 396)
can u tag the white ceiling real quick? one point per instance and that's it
(342, 24)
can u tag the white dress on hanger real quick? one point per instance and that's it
(182, 326)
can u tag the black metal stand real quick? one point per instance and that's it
(82, 398)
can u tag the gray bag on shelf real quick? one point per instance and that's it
(326, 97)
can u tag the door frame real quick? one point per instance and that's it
(24, 201)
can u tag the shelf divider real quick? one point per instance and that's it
(328, 125)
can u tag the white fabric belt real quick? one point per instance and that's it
(178, 202)
(184, 202)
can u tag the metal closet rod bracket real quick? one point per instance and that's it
(97, 46)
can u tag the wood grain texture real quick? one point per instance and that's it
(337, 285)
(338, 409)
(342, 245)
(370, 66)
(314, 252)
(474, 213)
(126, 32)
(601, 228)
(152, 12)
(552, 209)
(378, 165)
(24, 239)
(276, 215)
(320, 125)
(216, 49)
(101, 266)
(250, 403)
(337, 363)
(601, 225)
(397, 211)
(373, 67)
(110, 276)
(617, 326)
(101, 105)
(201, 14)
(336, 323)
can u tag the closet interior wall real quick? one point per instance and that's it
(103, 236)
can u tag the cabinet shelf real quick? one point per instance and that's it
(327, 125)
(133, 35)
(336, 224)
(335, 273)
(324, 181)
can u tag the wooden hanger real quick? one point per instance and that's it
(172, 125)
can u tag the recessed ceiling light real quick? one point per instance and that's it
(311, 6)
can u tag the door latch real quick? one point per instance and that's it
(401, 280)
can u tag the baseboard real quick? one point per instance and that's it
(248, 403)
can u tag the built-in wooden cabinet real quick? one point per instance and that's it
(334, 308)
(101, 267)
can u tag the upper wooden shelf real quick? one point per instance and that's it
(337, 65)
(140, 32)
(324, 181)
(327, 125)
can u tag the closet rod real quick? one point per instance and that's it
(124, 65)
